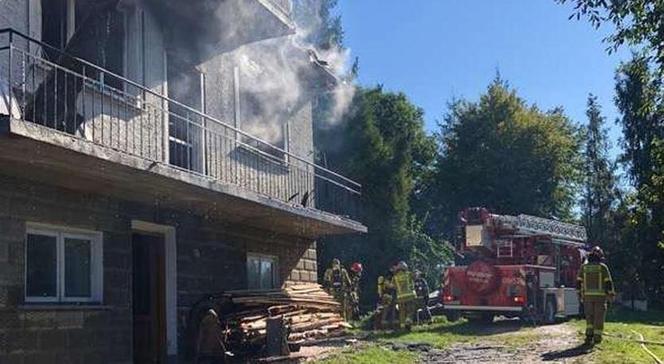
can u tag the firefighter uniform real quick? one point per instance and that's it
(595, 290)
(354, 291)
(406, 297)
(337, 283)
(422, 292)
(386, 305)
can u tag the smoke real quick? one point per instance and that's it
(278, 76)
(281, 76)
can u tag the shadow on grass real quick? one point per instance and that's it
(579, 350)
(625, 315)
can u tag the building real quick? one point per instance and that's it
(148, 159)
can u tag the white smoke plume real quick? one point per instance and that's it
(279, 75)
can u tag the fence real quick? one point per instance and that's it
(70, 95)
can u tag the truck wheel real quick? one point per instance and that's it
(452, 316)
(549, 311)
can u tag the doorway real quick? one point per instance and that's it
(149, 298)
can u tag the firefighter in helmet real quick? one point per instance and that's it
(386, 306)
(337, 283)
(405, 292)
(354, 294)
(422, 292)
(595, 288)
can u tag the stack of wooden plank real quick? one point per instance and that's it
(308, 311)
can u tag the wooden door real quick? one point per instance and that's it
(149, 299)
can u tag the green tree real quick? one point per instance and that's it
(382, 145)
(507, 156)
(599, 181)
(640, 100)
(636, 22)
(320, 25)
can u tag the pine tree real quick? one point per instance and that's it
(599, 184)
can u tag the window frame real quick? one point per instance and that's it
(62, 233)
(275, 269)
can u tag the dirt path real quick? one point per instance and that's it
(546, 344)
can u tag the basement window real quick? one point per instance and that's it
(62, 265)
(261, 271)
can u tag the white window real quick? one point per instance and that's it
(261, 271)
(62, 265)
(505, 248)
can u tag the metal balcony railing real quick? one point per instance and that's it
(73, 96)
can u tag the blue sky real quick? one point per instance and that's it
(436, 50)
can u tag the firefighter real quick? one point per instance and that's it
(337, 283)
(386, 309)
(422, 292)
(354, 294)
(595, 288)
(405, 292)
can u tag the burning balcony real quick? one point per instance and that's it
(75, 124)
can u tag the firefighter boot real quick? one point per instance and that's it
(597, 337)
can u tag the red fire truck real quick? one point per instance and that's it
(515, 266)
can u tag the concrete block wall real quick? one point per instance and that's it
(211, 257)
(306, 270)
(38, 334)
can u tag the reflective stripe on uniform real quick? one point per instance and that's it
(593, 271)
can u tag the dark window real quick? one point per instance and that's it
(261, 272)
(78, 267)
(185, 85)
(63, 266)
(54, 26)
(110, 38)
(42, 263)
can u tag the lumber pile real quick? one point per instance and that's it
(309, 313)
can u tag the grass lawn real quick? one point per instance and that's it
(372, 354)
(621, 322)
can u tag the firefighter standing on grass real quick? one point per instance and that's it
(595, 288)
(386, 306)
(422, 291)
(406, 297)
(354, 294)
(337, 283)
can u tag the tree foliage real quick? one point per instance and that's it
(318, 21)
(507, 156)
(599, 190)
(382, 145)
(636, 22)
(640, 100)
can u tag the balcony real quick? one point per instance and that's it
(77, 125)
(282, 9)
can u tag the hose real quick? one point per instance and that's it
(661, 343)
(643, 346)
(642, 341)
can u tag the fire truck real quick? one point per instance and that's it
(515, 266)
